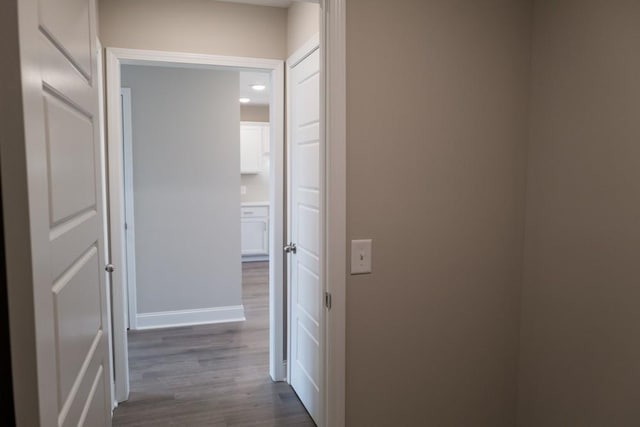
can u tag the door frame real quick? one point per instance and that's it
(130, 238)
(115, 57)
(333, 113)
(333, 98)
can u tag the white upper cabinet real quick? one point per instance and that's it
(254, 143)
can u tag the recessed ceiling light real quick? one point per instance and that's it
(258, 87)
(244, 100)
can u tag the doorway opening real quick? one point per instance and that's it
(138, 181)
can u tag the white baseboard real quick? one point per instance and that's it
(200, 316)
(255, 258)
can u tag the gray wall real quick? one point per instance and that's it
(437, 95)
(186, 134)
(580, 353)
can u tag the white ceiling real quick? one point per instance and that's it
(248, 78)
(274, 3)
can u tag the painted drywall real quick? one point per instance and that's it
(186, 163)
(580, 353)
(199, 26)
(437, 123)
(256, 185)
(254, 113)
(303, 22)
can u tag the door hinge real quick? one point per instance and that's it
(327, 300)
(126, 226)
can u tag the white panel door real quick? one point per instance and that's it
(306, 290)
(63, 158)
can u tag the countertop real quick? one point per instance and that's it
(249, 204)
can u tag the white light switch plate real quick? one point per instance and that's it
(361, 256)
(243, 190)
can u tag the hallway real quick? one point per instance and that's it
(210, 375)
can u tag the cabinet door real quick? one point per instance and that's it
(255, 237)
(250, 149)
(266, 139)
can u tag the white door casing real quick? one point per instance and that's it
(115, 57)
(306, 309)
(61, 158)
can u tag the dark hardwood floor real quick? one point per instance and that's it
(210, 375)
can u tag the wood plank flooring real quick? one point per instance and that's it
(210, 375)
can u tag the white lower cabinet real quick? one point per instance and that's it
(254, 227)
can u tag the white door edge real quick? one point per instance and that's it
(115, 58)
(129, 218)
(103, 167)
(334, 132)
(117, 242)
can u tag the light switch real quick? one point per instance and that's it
(361, 256)
(243, 190)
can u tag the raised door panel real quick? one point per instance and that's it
(71, 159)
(68, 24)
(77, 308)
(94, 409)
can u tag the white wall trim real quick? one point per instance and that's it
(199, 316)
(333, 52)
(115, 58)
(163, 58)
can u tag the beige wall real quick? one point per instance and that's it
(580, 354)
(254, 113)
(437, 95)
(437, 134)
(303, 22)
(201, 26)
(257, 185)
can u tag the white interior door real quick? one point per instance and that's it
(63, 157)
(306, 290)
